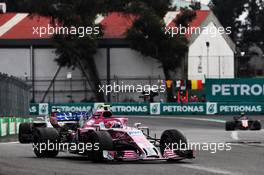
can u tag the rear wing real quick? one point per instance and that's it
(72, 116)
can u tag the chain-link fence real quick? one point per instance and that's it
(123, 89)
(14, 96)
(77, 89)
(213, 66)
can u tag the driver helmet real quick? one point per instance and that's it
(117, 125)
(113, 124)
(242, 114)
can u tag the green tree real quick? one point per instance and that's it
(247, 33)
(75, 50)
(148, 36)
(14, 5)
(195, 5)
(254, 25)
(228, 13)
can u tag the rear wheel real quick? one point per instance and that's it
(256, 125)
(104, 141)
(174, 140)
(45, 142)
(25, 133)
(230, 126)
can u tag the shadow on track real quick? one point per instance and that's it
(82, 159)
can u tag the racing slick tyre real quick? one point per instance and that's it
(230, 126)
(104, 141)
(45, 142)
(25, 133)
(256, 125)
(175, 140)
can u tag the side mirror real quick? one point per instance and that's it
(137, 125)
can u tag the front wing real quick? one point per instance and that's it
(131, 155)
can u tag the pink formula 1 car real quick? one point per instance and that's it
(101, 137)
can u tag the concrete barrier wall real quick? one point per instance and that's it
(208, 108)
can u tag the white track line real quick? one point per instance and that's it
(183, 118)
(234, 135)
(203, 119)
(209, 169)
(9, 142)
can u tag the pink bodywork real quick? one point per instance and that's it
(97, 118)
(133, 135)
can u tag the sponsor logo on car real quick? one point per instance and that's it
(135, 133)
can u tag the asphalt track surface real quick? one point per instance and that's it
(245, 157)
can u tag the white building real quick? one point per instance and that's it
(211, 53)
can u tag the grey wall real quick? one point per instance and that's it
(15, 62)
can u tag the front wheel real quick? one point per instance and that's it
(101, 140)
(174, 140)
(45, 142)
(230, 126)
(256, 125)
(25, 133)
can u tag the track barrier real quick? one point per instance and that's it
(10, 125)
(206, 108)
